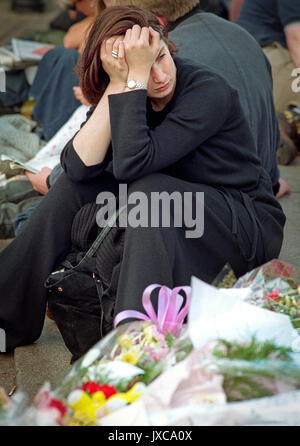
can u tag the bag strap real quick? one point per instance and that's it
(90, 253)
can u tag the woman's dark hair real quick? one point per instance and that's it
(113, 21)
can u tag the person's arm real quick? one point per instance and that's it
(139, 151)
(292, 35)
(87, 154)
(234, 9)
(80, 96)
(92, 141)
(76, 34)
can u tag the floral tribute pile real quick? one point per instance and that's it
(162, 371)
(276, 287)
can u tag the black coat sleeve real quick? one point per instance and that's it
(197, 113)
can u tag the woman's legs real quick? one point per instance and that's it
(165, 255)
(30, 258)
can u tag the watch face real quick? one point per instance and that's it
(131, 84)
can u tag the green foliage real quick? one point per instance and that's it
(252, 351)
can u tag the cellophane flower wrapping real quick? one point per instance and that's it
(12, 408)
(276, 287)
(227, 383)
(113, 374)
(244, 358)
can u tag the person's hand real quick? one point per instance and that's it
(79, 95)
(142, 47)
(116, 68)
(284, 188)
(38, 180)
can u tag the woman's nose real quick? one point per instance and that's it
(158, 75)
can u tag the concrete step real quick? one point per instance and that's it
(46, 360)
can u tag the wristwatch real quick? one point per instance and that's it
(132, 84)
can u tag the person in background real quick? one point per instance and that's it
(55, 99)
(234, 9)
(275, 24)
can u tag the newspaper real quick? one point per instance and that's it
(29, 50)
(22, 53)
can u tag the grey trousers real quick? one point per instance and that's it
(16, 197)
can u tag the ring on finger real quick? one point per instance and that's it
(114, 54)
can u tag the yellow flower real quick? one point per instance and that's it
(82, 403)
(126, 341)
(82, 419)
(98, 397)
(137, 390)
(131, 356)
(148, 334)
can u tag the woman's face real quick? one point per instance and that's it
(162, 80)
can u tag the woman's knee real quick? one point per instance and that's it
(154, 182)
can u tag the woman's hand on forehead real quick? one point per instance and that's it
(115, 67)
(142, 46)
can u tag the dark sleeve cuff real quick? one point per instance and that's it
(275, 188)
(48, 181)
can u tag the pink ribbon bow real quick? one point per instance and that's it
(170, 316)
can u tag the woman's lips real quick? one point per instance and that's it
(163, 88)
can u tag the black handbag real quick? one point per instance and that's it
(79, 300)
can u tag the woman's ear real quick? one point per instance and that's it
(162, 21)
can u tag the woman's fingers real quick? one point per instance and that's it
(144, 35)
(155, 37)
(121, 50)
(109, 46)
(127, 37)
(113, 59)
(116, 44)
(135, 33)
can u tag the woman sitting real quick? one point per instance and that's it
(158, 125)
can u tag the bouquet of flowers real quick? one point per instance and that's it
(276, 287)
(115, 372)
(255, 369)
(228, 383)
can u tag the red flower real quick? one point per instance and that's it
(108, 390)
(275, 295)
(45, 401)
(57, 404)
(93, 387)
